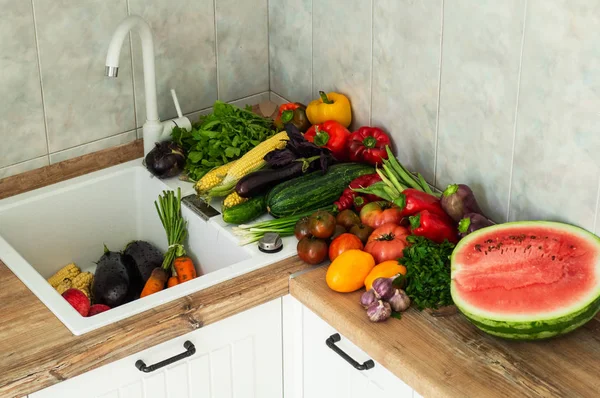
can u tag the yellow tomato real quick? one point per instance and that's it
(349, 270)
(386, 269)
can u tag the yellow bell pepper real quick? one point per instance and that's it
(331, 106)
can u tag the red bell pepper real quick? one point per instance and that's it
(331, 135)
(433, 227)
(416, 201)
(352, 198)
(367, 145)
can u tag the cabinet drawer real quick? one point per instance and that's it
(239, 356)
(314, 370)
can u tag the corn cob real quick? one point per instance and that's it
(83, 280)
(67, 272)
(233, 199)
(251, 161)
(63, 286)
(213, 178)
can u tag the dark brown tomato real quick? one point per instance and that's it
(347, 218)
(362, 231)
(312, 250)
(322, 224)
(302, 228)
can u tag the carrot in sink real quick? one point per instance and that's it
(173, 281)
(185, 268)
(155, 283)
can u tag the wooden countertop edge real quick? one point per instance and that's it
(40, 351)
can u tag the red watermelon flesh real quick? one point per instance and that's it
(525, 270)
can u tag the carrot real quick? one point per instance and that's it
(155, 283)
(185, 268)
(173, 281)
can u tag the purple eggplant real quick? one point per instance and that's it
(458, 200)
(259, 182)
(471, 222)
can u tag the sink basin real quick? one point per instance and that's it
(43, 230)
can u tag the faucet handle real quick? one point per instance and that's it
(176, 102)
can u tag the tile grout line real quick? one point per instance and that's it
(135, 105)
(268, 47)
(95, 141)
(597, 208)
(439, 100)
(514, 138)
(216, 49)
(39, 65)
(22, 162)
(312, 48)
(372, 62)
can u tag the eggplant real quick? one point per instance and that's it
(145, 255)
(117, 279)
(259, 182)
(165, 160)
(471, 222)
(458, 200)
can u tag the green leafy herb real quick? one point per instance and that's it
(427, 272)
(224, 135)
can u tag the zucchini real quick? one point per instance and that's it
(314, 190)
(244, 212)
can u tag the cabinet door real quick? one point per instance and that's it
(237, 357)
(313, 370)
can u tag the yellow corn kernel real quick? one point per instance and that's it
(253, 159)
(67, 272)
(83, 280)
(63, 286)
(233, 199)
(213, 177)
(86, 291)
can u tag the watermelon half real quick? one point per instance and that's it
(527, 280)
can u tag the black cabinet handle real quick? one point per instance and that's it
(334, 338)
(190, 350)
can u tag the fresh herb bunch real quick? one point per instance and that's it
(224, 135)
(427, 272)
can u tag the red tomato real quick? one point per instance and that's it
(375, 214)
(342, 243)
(387, 242)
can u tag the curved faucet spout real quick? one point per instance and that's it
(114, 51)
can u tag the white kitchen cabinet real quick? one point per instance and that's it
(313, 370)
(239, 357)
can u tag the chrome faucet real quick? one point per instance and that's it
(153, 129)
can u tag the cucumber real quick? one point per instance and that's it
(244, 212)
(314, 190)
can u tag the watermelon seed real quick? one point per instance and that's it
(540, 247)
(553, 257)
(532, 237)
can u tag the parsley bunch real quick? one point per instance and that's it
(427, 272)
(224, 135)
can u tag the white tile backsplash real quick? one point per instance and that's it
(81, 104)
(22, 129)
(501, 95)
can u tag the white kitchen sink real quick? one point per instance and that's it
(43, 230)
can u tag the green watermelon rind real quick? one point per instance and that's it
(536, 328)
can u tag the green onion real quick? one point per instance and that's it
(284, 226)
(169, 211)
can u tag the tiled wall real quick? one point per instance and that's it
(501, 95)
(55, 102)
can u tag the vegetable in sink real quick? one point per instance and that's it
(117, 280)
(145, 255)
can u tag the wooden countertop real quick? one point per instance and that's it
(449, 357)
(37, 350)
